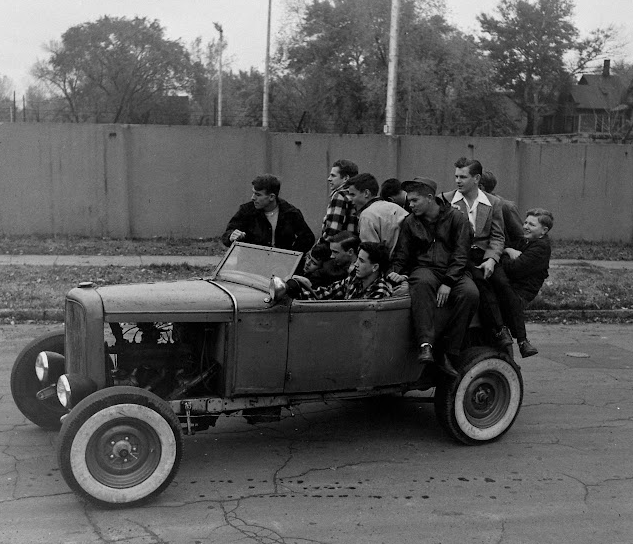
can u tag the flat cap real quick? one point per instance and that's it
(420, 183)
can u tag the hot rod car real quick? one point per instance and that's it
(138, 366)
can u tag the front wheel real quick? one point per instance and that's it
(482, 404)
(25, 385)
(120, 446)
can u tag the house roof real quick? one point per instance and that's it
(598, 92)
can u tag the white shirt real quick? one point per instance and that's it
(472, 210)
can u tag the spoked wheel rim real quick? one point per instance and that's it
(123, 453)
(486, 399)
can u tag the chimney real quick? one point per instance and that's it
(606, 68)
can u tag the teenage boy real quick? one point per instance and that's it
(432, 252)
(367, 280)
(343, 252)
(267, 220)
(339, 215)
(378, 220)
(485, 215)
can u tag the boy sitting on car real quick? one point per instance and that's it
(524, 267)
(367, 280)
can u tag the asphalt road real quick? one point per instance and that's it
(363, 472)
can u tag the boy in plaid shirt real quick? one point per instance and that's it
(366, 281)
(340, 215)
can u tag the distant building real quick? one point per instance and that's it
(595, 105)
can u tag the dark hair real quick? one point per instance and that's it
(268, 183)
(378, 253)
(474, 167)
(320, 252)
(347, 240)
(488, 181)
(545, 217)
(346, 168)
(390, 187)
(364, 182)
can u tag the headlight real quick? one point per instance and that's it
(49, 366)
(276, 289)
(72, 388)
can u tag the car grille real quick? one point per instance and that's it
(75, 336)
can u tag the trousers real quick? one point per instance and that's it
(512, 304)
(450, 321)
(489, 309)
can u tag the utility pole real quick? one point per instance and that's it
(218, 27)
(392, 77)
(267, 71)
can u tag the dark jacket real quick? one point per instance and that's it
(529, 270)
(292, 231)
(327, 274)
(442, 246)
(512, 224)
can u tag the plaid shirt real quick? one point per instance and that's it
(348, 289)
(340, 215)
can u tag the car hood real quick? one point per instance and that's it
(188, 300)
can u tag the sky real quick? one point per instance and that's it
(28, 25)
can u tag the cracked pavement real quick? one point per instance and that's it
(378, 471)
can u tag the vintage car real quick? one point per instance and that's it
(138, 366)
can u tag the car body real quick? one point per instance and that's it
(138, 366)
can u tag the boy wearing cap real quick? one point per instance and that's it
(432, 253)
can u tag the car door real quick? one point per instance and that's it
(349, 345)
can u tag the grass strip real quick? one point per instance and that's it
(42, 288)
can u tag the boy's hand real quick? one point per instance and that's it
(442, 295)
(237, 235)
(488, 267)
(394, 277)
(512, 253)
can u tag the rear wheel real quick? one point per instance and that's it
(120, 447)
(482, 404)
(25, 385)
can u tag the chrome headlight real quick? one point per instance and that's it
(73, 388)
(276, 289)
(49, 366)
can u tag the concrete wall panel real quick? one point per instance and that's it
(143, 181)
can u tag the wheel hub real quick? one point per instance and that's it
(123, 452)
(123, 449)
(483, 397)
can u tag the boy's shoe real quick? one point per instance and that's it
(502, 338)
(425, 355)
(527, 349)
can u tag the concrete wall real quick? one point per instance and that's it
(143, 181)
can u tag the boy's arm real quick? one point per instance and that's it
(402, 251)
(304, 236)
(238, 221)
(367, 231)
(535, 257)
(462, 238)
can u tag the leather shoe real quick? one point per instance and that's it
(425, 355)
(503, 338)
(445, 366)
(527, 349)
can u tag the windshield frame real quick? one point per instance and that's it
(249, 278)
